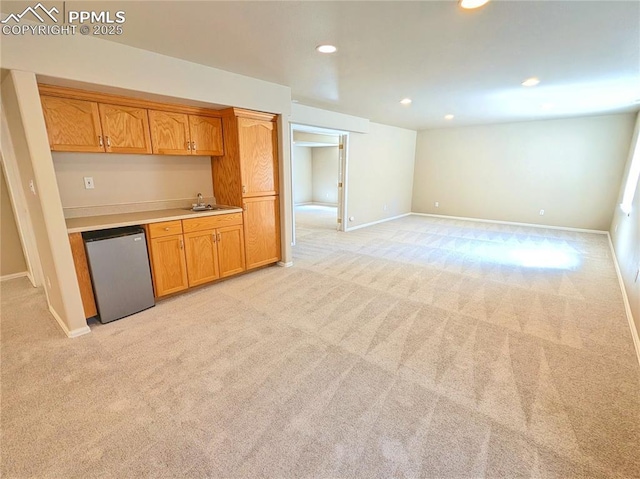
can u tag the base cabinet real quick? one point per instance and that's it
(195, 251)
(261, 230)
(169, 265)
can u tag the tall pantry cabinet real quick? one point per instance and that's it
(247, 176)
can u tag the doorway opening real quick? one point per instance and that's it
(318, 158)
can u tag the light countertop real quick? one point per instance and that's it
(92, 223)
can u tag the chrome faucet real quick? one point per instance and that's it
(200, 200)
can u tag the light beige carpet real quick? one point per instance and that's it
(420, 347)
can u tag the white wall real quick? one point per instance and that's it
(11, 255)
(25, 120)
(124, 179)
(380, 173)
(571, 168)
(302, 175)
(326, 164)
(625, 236)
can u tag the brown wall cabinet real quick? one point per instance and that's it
(72, 125)
(181, 134)
(79, 120)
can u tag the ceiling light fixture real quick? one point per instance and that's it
(326, 49)
(471, 4)
(533, 81)
(406, 101)
(448, 117)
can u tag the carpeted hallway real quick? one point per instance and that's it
(420, 347)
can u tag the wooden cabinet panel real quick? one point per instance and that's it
(211, 222)
(258, 157)
(169, 265)
(125, 129)
(206, 135)
(261, 230)
(82, 272)
(166, 228)
(169, 133)
(72, 125)
(201, 249)
(231, 250)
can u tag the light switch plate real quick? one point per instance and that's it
(88, 183)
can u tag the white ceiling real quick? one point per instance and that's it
(467, 63)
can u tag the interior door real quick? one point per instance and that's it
(206, 135)
(258, 157)
(72, 125)
(169, 133)
(125, 129)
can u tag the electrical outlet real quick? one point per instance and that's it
(437, 204)
(384, 208)
(88, 183)
(541, 212)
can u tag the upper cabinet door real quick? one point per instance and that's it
(126, 129)
(206, 135)
(258, 157)
(72, 125)
(169, 133)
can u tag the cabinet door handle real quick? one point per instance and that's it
(189, 145)
(167, 228)
(100, 140)
(244, 189)
(108, 142)
(193, 146)
(181, 243)
(214, 237)
(219, 238)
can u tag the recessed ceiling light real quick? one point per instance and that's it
(448, 117)
(533, 81)
(406, 101)
(471, 4)
(326, 49)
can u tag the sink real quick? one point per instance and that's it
(209, 208)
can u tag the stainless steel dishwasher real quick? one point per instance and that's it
(119, 266)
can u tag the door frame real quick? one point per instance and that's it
(342, 172)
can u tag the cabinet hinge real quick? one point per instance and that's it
(340, 185)
(339, 220)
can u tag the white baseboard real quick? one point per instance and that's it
(376, 222)
(74, 333)
(625, 298)
(481, 220)
(288, 264)
(8, 277)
